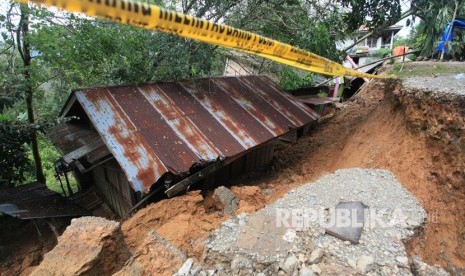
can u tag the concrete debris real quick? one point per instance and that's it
(354, 214)
(89, 246)
(254, 243)
(365, 264)
(223, 199)
(289, 264)
(306, 271)
(156, 256)
(263, 237)
(316, 256)
(241, 265)
(352, 263)
(315, 268)
(420, 268)
(402, 260)
(185, 268)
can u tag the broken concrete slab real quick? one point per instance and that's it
(349, 219)
(260, 234)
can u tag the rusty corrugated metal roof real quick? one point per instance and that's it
(152, 129)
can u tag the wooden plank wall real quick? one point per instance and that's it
(114, 187)
(118, 194)
(257, 159)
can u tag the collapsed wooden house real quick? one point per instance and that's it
(128, 141)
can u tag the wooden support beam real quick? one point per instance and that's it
(184, 184)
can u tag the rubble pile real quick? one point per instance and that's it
(256, 243)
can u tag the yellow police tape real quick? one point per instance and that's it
(152, 17)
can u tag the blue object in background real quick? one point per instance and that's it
(453, 24)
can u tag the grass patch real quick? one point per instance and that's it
(419, 69)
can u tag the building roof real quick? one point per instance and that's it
(153, 129)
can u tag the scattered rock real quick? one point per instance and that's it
(223, 199)
(352, 263)
(306, 271)
(263, 237)
(316, 256)
(420, 268)
(289, 264)
(185, 268)
(365, 264)
(267, 191)
(241, 265)
(403, 260)
(89, 246)
(316, 268)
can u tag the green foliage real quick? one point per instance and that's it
(289, 79)
(371, 13)
(49, 155)
(14, 162)
(435, 16)
(456, 49)
(307, 25)
(419, 41)
(381, 53)
(401, 41)
(411, 70)
(104, 53)
(10, 81)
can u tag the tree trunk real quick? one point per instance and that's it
(25, 52)
(457, 4)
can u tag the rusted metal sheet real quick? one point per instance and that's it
(152, 129)
(32, 201)
(78, 144)
(69, 137)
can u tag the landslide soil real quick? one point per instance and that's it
(416, 135)
(23, 244)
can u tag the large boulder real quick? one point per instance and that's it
(89, 246)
